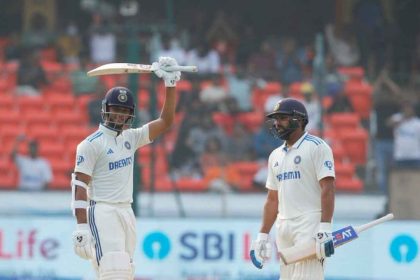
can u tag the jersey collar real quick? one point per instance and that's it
(297, 143)
(107, 130)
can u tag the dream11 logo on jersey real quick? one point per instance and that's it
(198, 246)
(24, 244)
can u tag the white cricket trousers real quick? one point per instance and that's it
(291, 232)
(113, 227)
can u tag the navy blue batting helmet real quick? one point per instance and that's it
(118, 97)
(289, 107)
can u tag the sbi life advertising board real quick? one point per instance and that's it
(204, 249)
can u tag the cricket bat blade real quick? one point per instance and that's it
(132, 68)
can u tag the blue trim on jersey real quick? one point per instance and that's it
(95, 136)
(316, 139)
(94, 231)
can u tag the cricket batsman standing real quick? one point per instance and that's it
(300, 199)
(102, 182)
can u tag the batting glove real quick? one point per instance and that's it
(83, 242)
(324, 241)
(162, 69)
(260, 250)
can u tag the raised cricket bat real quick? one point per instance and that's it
(307, 250)
(132, 68)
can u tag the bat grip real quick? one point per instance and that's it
(187, 68)
(375, 222)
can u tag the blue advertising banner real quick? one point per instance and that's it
(216, 249)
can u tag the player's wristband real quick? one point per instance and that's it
(325, 227)
(82, 227)
(262, 236)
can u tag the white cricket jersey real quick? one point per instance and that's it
(109, 160)
(295, 173)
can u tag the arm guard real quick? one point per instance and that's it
(82, 204)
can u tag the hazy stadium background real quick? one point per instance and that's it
(186, 229)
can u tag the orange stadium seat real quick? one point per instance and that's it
(246, 171)
(143, 98)
(61, 101)
(224, 120)
(33, 103)
(252, 120)
(8, 175)
(8, 102)
(351, 185)
(344, 170)
(51, 149)
(191, 185)
(344, 121)
(295, 90)
(353, 73)
(355, 142)
(43, 133)
(35, 117)
(360, 95)
(60, 181)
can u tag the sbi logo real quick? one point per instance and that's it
(156, 245)
(404, 248)
(190, 246)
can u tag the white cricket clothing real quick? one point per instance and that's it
(109, 160)
(113, 227)
(407, 138)
(34, 173)
(295, 173)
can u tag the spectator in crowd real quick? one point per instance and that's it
(248, 44)
(240, 88)
(204, 130)
(263, 62)
(31, 75)
(340, 103)
(94, 106)
(385, 103)
(102, 43)
(81, 83)
(288, 61)
(222, 36)
(34, 171)
(264, 142)
(313, 107)
(205, 58)
(406, 127)
(215, 162)
(69, 44)
(215, 94)
(184, 160)
(172, 48)
(342, 44)
(38, 35)
(239, 144)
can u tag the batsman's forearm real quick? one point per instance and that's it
(81, 214)
(168, 110)
(269, 216)
(327, 204)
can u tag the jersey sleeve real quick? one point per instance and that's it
(324, 161)
(271, 178)
(141, 136)
(86, 156)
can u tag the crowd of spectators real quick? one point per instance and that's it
(234, 60)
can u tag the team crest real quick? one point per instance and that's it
(328, 164)
(80, 159)
(127, 145)
(122, 97)
(297, 159)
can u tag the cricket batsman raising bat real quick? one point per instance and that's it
(102, 182)
(300, 199)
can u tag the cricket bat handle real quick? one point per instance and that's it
(381, 220)
(182, 68)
